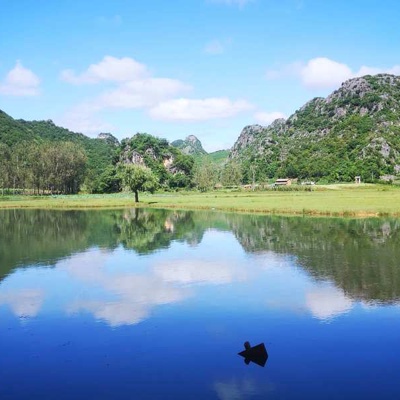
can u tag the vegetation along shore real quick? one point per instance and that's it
(327, 200)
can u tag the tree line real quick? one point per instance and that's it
(42, 168)
(61, 168)
(67, 167)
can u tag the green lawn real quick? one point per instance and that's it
(335, 200)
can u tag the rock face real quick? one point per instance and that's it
(191, 146)
(353, 131)
(155, 153)
(246, 138)
(108, 138)
(131, 157)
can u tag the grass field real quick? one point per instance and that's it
(332, 200)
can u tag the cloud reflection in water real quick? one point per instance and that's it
(25, 303)
(327, 302)
(121, 288)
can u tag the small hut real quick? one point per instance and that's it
(283, 182)
(357, 180)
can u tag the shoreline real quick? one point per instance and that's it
(363, 202)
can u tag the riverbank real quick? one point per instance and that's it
(329, 200)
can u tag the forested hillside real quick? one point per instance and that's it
(42, 156)
(219, 156)
(354, 131)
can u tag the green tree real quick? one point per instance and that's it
(205, 175)
(5, 166)
(37, 165)
(65, 167)
(19, 166)
(109, 181)
(231, 174)
(138, 178)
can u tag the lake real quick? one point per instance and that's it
(157, 304)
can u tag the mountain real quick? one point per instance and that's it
(100, 152)
(109, 139)
(171, 165)
(353, 131)
(99, 157)
(218, 157)
(191, 146)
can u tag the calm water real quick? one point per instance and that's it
(157, 304)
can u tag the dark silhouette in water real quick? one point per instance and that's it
(256, 354)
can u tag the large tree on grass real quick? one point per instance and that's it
(138, 179)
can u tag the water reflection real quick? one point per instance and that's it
(327, 301)
(236, 389)
(24, 303)
(116, 296)
(153, 303)
(360, 256)
(351, 259)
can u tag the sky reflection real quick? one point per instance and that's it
(121, 288)
(124, 306)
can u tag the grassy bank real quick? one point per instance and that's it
(335, 200)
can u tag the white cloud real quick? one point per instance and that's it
(20, 81)
(132, 87)
(140, 93)
(326, 303)
(324, 73)
(83, 119)
(214, 47)
(129, 95)
(265, 118)
(198, 109)
(110, 69)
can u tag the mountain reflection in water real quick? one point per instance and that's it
(358, 256)
(153, 304)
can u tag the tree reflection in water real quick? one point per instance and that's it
(359, 256)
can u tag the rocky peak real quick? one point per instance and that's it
(109, 138)
(278, 125)
(362, 96)
(352, 87)
(246, 138)
(357, 125)
(192, 139)
(191, 145)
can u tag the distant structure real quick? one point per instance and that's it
(283, 182)
(357, 180)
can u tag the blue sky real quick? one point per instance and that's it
(175, 68)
